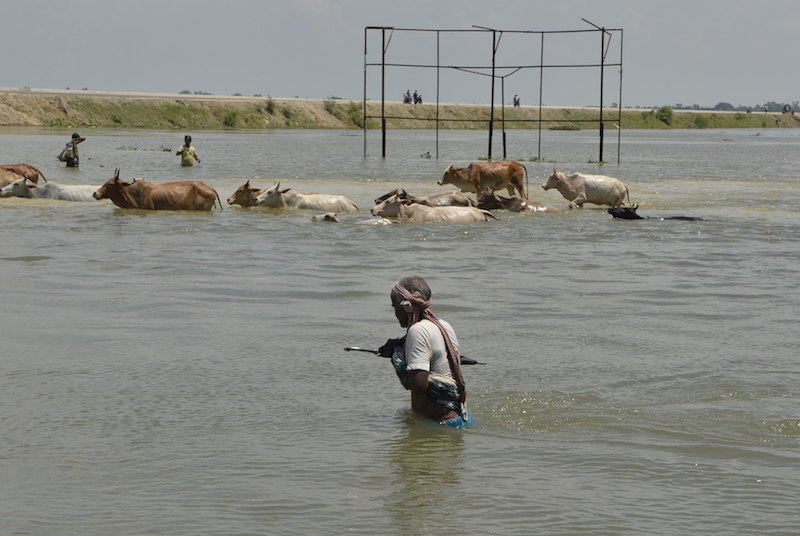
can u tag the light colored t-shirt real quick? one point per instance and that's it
(425, 348)
(187, 156)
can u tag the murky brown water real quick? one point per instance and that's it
(182, 373)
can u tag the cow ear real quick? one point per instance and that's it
(286, 190)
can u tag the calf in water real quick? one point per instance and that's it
(629, 213)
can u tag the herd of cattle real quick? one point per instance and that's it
(484, 179)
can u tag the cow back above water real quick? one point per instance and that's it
(274, 197)
(578, 189)
(12, 172)
(145, 195)
(480, 176)
(407, 210)
(51, 190)
(629, 213)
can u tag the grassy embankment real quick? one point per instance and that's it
(197, 113)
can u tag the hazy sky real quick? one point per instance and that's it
(675, 52)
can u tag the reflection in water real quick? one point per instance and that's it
(426, 468)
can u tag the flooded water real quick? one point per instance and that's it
(182, 373)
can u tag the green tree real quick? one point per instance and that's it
(664, 114)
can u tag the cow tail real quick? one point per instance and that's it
(628, 191)
(220, 201)
(527, 186)
(39, 172)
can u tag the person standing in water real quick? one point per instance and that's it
(70, 152)
(187, 152)
(427, 360)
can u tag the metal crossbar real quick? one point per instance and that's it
(605, 42)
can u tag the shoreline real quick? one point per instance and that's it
(115, 109)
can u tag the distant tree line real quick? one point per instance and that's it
(771, 106)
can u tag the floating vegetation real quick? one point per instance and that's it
(426, 155)
(161, 149)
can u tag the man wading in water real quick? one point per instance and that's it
(187, 152)
(426, 359)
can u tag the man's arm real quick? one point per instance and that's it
(415, 381)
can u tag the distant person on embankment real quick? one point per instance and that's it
(187, 152)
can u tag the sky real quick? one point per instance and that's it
(698, 52)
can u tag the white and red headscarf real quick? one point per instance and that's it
(419, 309)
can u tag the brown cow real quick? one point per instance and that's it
(24, 171)
(489, 200)
(8, 177)
(447, 199)
(181, 195)
(245, 195)
(480, 176)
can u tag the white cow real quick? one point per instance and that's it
(578, 189)
(275, 198)
(404, 209)
(51, 190)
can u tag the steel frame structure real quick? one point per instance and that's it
(605, 44)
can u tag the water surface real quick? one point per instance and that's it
(182, 373)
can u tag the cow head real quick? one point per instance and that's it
(272, 196)
(554, 180)
(17, 188)
(625, 213)
(398, 191)
(489, 200)
(450, 174)
(389, 207)
(245, 195)
(112, 187)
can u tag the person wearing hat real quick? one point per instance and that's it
(187, 152)
(70, 152)
(427, 360)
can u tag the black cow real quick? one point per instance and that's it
(629, 213)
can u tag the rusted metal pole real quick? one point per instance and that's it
(491, 110)
(503, 111)
(365, 92)
(383, 89)
(541, 86)
(602, 72)
(437, 95)
(619, 110)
